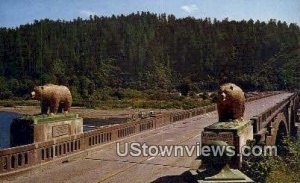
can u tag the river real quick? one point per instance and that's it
(5, 121)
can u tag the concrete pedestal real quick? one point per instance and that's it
(41, 128)
(217, 168)
(233, 133)
(222, 176)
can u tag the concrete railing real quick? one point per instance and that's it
(20, 158)
(261, 120)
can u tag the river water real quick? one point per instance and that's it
(5, 121)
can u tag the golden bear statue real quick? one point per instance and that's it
(55, 97)
(231, 103)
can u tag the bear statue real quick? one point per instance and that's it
(56, 97)
(231, 103)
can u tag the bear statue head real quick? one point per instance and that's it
(229, 91)
(231, 103)
(37, 92)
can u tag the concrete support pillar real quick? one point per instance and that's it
(234, 133)
(218, 168)
(41, 128)
(289, 118)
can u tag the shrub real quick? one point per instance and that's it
(119, 94)
(102, 94)
(131, 93)
(283, 168)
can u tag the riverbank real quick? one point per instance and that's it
(93, 117)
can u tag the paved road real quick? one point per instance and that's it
(104, 165)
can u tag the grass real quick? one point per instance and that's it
(18, 102)
(46, 118)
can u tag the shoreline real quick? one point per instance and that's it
(92, 117)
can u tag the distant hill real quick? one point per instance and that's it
(286, 69)
(148, 51)
(281, 71)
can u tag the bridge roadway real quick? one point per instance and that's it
(104, 165)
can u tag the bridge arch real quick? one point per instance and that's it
(281, 133)
(277, 130)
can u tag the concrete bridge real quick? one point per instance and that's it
(279, 120)
(92, 157)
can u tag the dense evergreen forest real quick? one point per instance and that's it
(148, 51)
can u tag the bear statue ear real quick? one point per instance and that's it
(231, 87)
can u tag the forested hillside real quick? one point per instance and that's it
(148, 51)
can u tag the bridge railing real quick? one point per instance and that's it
(14, 158)
(261, 120)
(23, 157)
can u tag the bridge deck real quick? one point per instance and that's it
(103, 165)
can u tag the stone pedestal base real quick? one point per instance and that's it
(41, 128)
(225, 175)
(233, 133)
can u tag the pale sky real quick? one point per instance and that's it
(16, 12)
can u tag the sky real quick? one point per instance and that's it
(17, 12)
